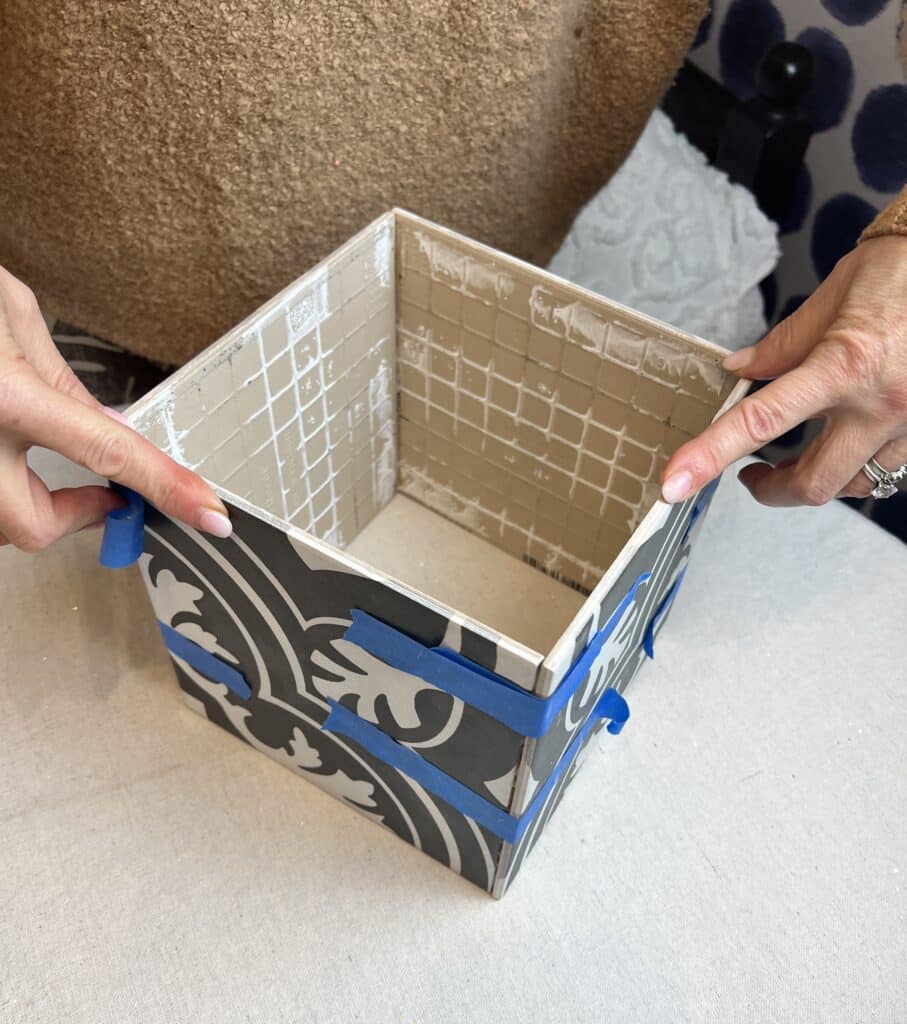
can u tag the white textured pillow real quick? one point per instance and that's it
(670, 236)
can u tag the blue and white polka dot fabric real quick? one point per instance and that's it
(857, 159)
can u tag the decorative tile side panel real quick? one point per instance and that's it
(263, 605)
(341, 768)
(535, 416)
(620, 674)
(601, 603)
(513, 855)
(294, 409)
(664, 555)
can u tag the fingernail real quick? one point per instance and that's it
(215, 523)
(677, 487)
(115, 414)
(737, 360)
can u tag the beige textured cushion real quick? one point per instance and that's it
(167, 167)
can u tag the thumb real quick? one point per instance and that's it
(789, 342)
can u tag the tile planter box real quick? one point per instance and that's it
(449, 557)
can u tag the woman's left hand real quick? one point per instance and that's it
(842, 358)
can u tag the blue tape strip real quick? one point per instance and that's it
(343, 722)
(701, 505)
(509, 827)
(124, 531)
(648, 641)
(519, 710)
(205, 662)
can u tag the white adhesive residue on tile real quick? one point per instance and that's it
(379, 387)
(382, 253)
(421, 488)
(624, 345)
(446, 263)
(466, 274)
(668, 361)
(251, 418)
(173, 438)
(482, 279)
(412, 349)
(546, 314)
(586, 329)
(310, 307)
(381, 412)
(284, 509)
(711, 374)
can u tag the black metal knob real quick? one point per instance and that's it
(785, 74)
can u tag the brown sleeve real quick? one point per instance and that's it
(891, 221)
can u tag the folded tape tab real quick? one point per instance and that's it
(343, 722)
(124, 531)
(521, 711)
(446, 670)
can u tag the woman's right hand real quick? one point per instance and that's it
(42, 402)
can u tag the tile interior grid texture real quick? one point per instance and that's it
(296, 415)
(533, 414)
(530, 416)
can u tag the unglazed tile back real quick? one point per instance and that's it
(533, 416)
(295, 413)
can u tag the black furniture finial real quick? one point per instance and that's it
(785, 74)
(764, 139)
(759, 142)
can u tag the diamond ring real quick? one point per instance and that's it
(885, 480)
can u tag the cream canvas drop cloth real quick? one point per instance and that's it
(738, 853)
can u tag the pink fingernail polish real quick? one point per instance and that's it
(737, 360)
(677, 487)
(115, 414)
(215, 523)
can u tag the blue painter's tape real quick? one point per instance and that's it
(343, 722)
(612, 705)
(509, 827)
(648, 641)
(701, 505)
(124, 531)
(204, 661)
(519, 710)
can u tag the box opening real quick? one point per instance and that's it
(465, 423)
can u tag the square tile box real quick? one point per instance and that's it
(449, 558)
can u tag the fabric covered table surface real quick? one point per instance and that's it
(738, 853)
